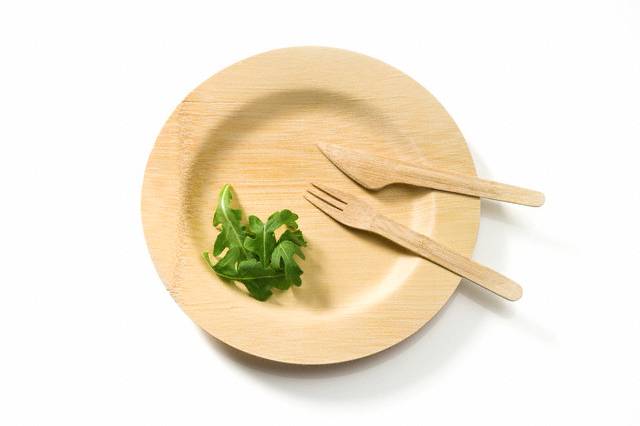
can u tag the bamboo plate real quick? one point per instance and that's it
(255, 125)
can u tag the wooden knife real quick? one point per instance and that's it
(374, 172)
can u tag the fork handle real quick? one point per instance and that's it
(447, 258)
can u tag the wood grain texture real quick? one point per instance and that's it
(255, 125)
(353, 212)
(375, 172)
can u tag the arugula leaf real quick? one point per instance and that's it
(263, 240)
(258, 278)
(252, 255)
(228, 265)
(282, 258)
(232, 233)
(283, 217)
(295, 236)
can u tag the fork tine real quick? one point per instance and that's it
(323, 206)
(326, 198)
(338, 195)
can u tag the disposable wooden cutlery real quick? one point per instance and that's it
(374, 172)
(355, 213)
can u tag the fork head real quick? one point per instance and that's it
(343, 207)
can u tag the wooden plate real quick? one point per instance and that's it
(254, 125)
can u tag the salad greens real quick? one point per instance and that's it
(253, 255)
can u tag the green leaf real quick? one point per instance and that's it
(283, 217)
(282, 259)
(252, 256)
(258, 278)
(228, 265)
(293, 236)
(232, 232)
(205, 256)
(220, 244)
(263, 240)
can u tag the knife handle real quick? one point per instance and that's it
(446, 258)
(468, 185)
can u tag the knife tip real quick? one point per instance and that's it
(322, 146)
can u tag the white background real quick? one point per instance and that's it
(547, 95)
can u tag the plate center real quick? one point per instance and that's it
(266, 150)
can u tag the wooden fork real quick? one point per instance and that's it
(355, 213)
